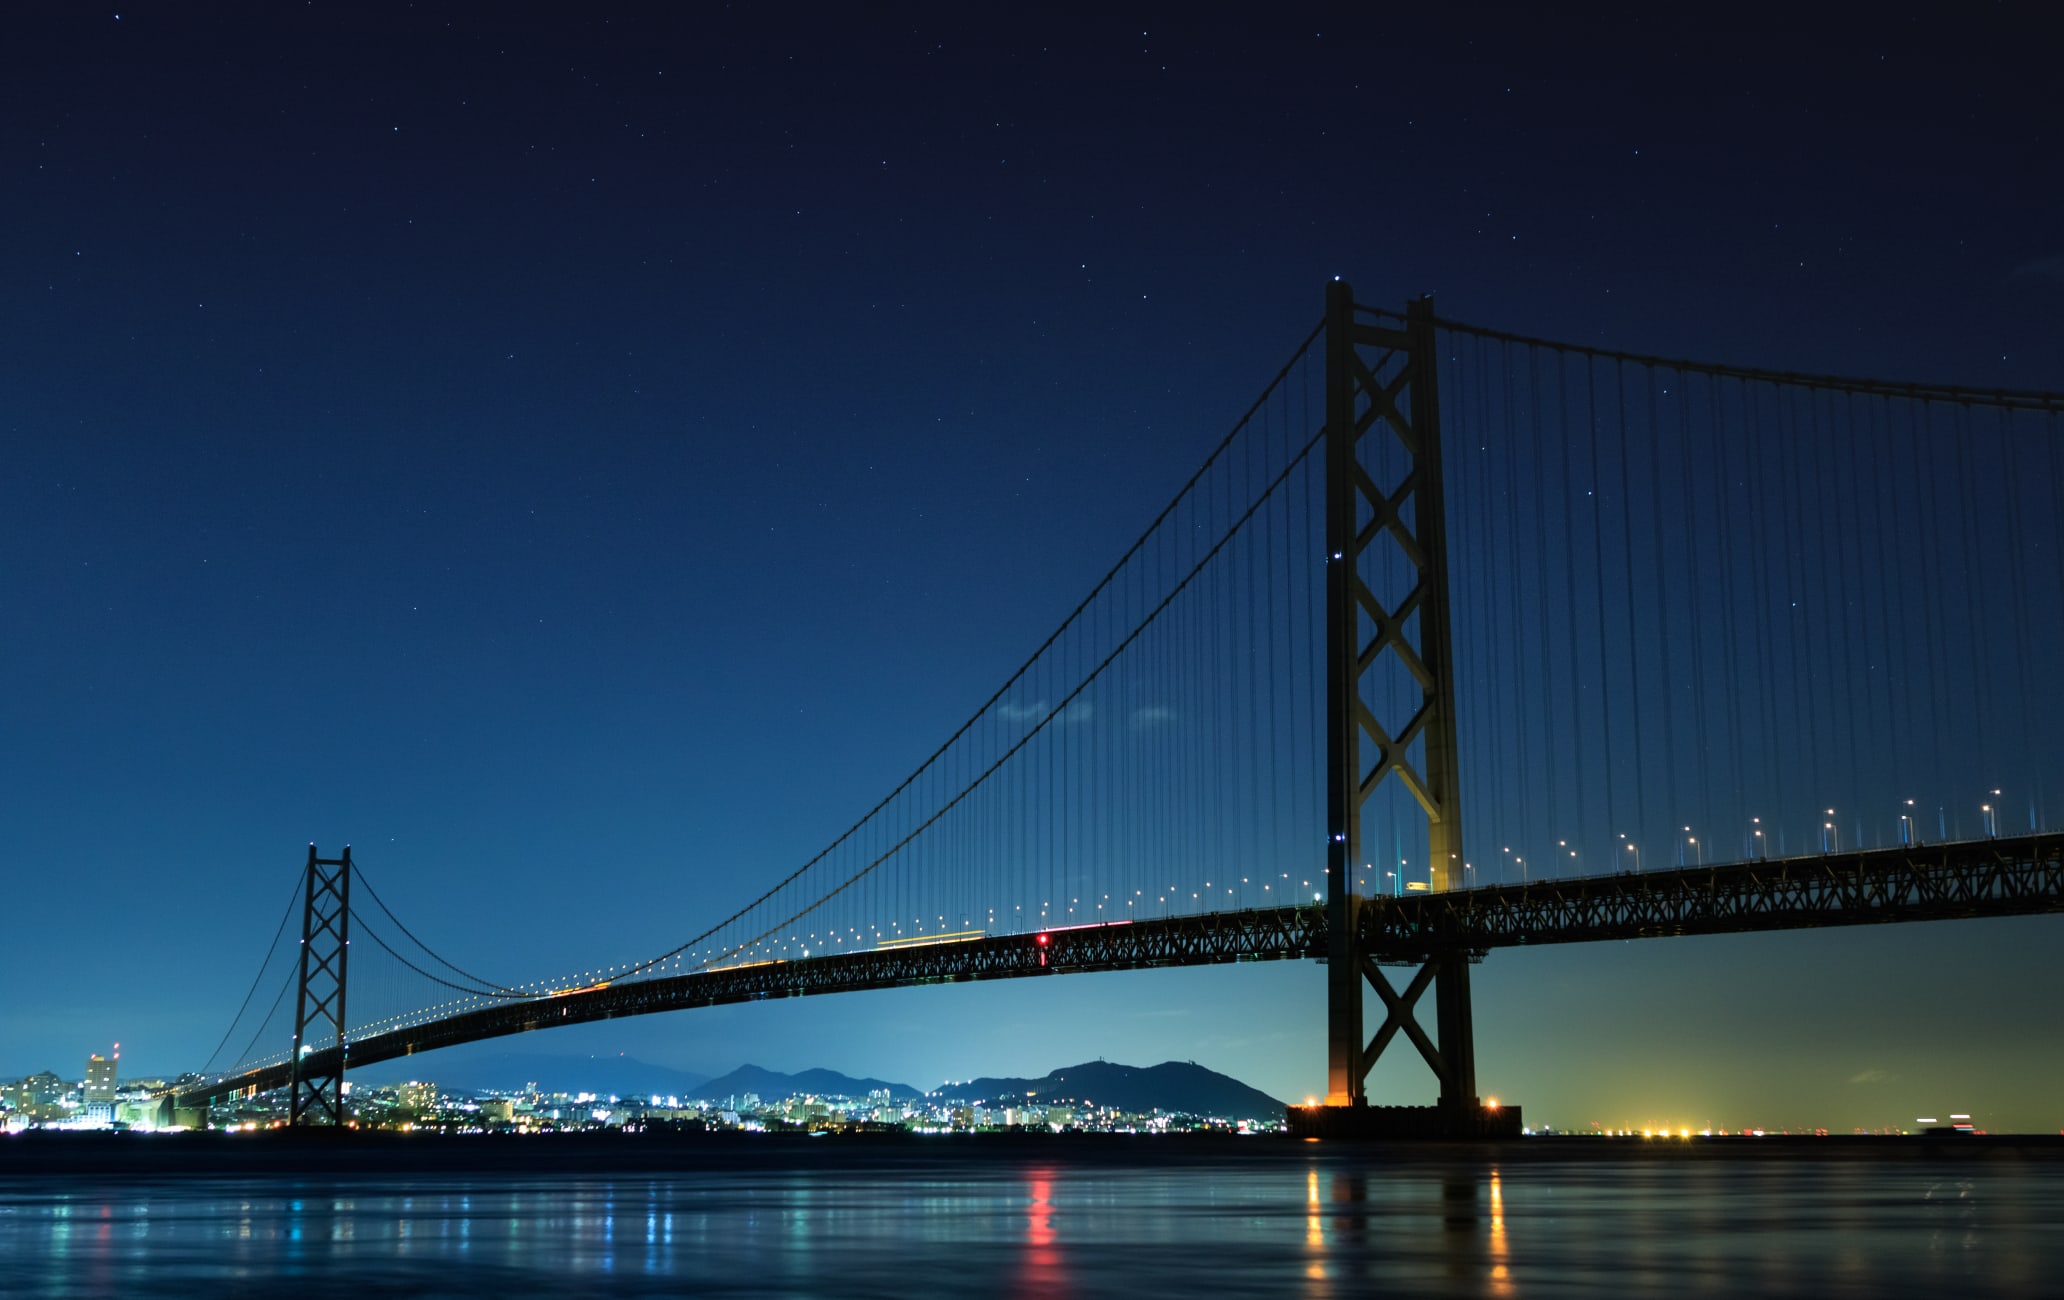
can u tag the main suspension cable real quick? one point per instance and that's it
(263, 966)
(1014, 678)
(501, 989)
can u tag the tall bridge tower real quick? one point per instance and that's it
(1384, 493)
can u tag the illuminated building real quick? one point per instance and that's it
(100, 1076)
(418, 1096)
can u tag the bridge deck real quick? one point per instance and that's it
(2003, 877)
(2013, 876)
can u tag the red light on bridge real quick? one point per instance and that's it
(1044, 940)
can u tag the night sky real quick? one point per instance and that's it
(582, 459)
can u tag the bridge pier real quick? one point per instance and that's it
(1385, 503)
(1457, 1035)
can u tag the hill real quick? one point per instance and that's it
(773, 1084)
(1173, 1086)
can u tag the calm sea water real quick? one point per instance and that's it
(1291, 1221)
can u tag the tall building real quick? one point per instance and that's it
(100, 1076)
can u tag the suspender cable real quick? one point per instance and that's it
(1927, 528)
(1763, 463)
(1499, 651)
(1856, 611)
(1813, 496)
(1627, 582)
(1892, 640)
(1974, 598)
(1315, 650)
(1538, 459)
(2017, 544)
(1694, 597)
(2055, 514)
(1249, 547)
(1272, 626)
(1569, 607)
(1797, 638)
(1718, 443)
(1518, 630)
(1598, 594)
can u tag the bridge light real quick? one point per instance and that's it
(1044, 940)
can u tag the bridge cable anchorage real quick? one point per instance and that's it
(263, 966)
(1058, 711)
(996, 698)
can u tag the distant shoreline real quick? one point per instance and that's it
(37, 1155)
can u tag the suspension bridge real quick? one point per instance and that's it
(1709, 648)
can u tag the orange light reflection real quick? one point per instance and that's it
(1042, 1274)
(1501, 1271)
(1314, 1231)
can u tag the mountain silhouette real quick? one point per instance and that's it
(1175, 1087)
(771, 1085)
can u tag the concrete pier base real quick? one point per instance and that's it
(1402, 1122)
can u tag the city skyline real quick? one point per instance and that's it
(587, 533)
(47, 1099)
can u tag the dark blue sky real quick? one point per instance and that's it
(581, 459)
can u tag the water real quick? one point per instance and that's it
(1154, 1220)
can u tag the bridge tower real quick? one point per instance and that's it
(1381, 385)
(317, 1067)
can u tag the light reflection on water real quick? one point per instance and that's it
(1318, 1224)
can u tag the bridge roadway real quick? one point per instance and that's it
(2014, 876)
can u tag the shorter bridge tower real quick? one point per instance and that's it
(317, 1079)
